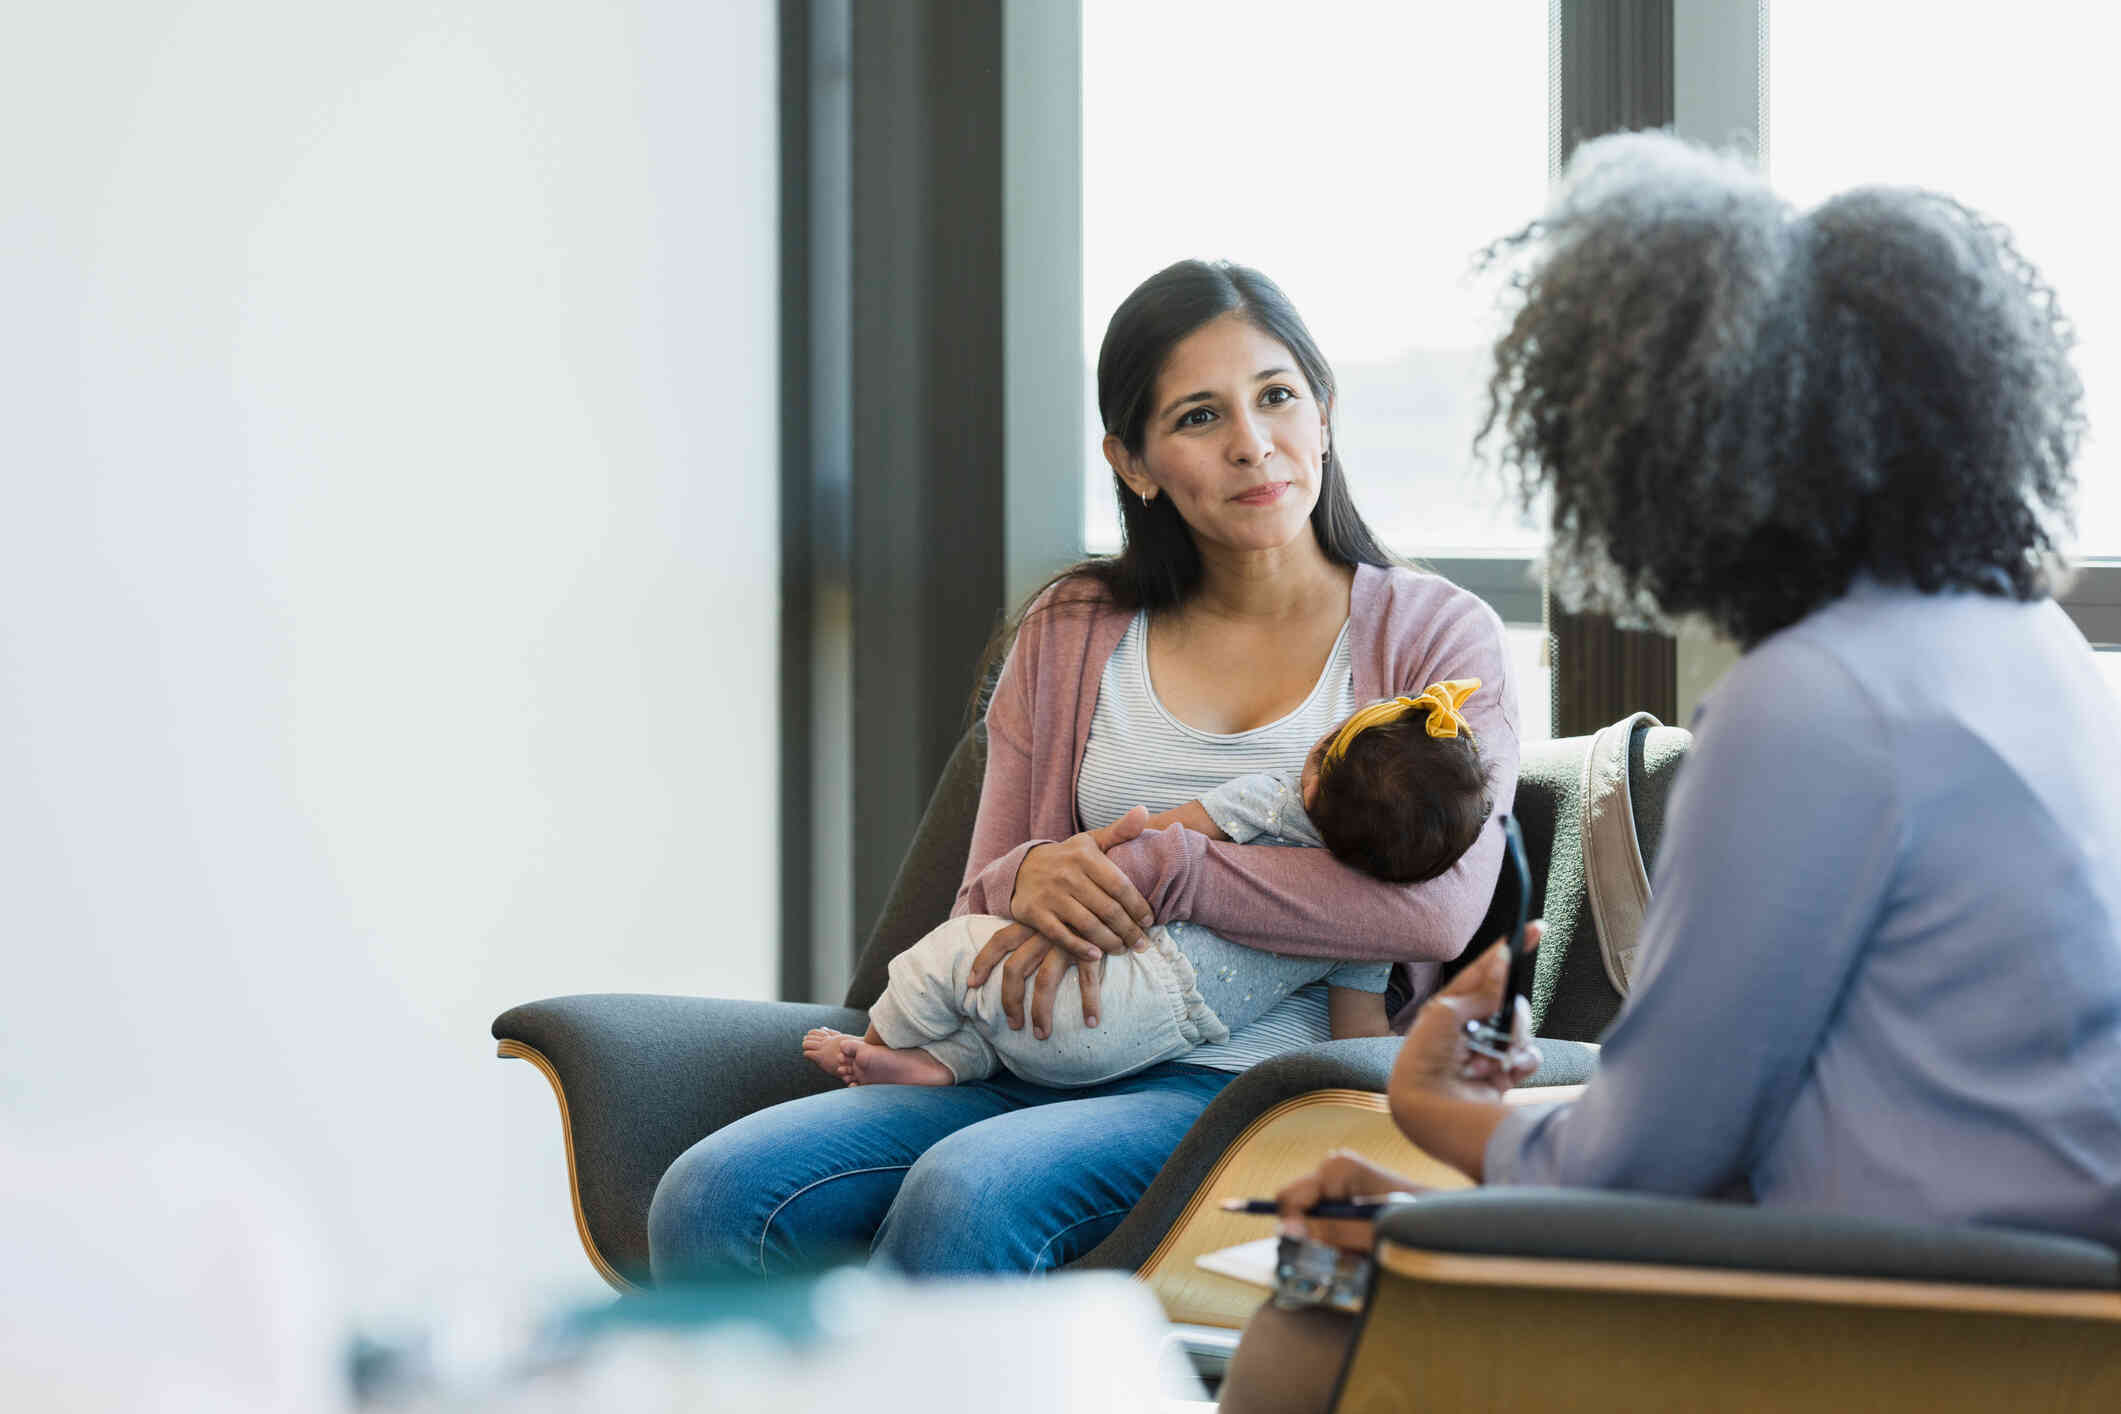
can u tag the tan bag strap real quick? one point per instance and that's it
(1613, 869)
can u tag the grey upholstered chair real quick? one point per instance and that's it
(640, 1079)
(1630, 1302)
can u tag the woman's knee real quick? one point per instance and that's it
(699, 1225)
(974, 1205)
(950, 1217)
(780, 1190)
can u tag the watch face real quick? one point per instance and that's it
(1308, 1273)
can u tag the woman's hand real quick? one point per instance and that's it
(1344, 1175)
(1070, 894)
(1065, 875)
(1446, 1096)
(1034, 959)
(1434, 1063)
(1435, 1059)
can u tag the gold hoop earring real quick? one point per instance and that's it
(1146, 498)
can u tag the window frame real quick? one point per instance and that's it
(845, 556)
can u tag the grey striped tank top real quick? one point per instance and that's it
(1139, 754)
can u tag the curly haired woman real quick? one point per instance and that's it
(1882, 970)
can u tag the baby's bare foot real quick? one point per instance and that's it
(821, 1048)
(866, 1064)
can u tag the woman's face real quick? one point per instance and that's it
(1235, 438)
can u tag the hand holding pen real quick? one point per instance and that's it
(1338, 1201)
(1352, 1209)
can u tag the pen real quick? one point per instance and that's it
(1356, 1208)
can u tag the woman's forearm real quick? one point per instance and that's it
(998, 844)
(1001, 827)
(1306, 902)
(1453, 1130)
(989, 887)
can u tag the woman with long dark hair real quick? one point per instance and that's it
(1249, 609)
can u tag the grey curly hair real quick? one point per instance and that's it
(1738, 409)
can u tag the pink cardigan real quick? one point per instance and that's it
(1406, 631)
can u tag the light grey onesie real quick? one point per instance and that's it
(1188, 987)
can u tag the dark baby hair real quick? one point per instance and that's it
(1402, 805)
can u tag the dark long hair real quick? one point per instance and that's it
(1158, 564)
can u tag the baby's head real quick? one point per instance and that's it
(1398, 790)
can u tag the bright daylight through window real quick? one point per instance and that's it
(2008, 109)
(1360, 155)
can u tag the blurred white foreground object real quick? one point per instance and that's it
(147, 1273)
(1067, 1344)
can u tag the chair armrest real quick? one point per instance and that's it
(1589, 1225)
(1360, 1064)
(1563, 1063)
(640, 1079)
(1364, 1063)
(1534, 1298)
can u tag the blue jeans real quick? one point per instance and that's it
(997, 1176)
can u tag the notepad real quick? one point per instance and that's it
(1247, 1262)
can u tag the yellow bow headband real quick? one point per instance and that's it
(1442, 699)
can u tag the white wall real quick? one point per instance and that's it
(387, 579)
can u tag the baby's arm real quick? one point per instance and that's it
(1354, 1012)
(1194, 816)
(1240, 811)
(1267, 803)
(1355, 999)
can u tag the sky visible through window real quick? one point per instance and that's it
(1360, 154)
(2007, 108)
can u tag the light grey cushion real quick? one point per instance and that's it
(1585, 1225)
(1564, 1062)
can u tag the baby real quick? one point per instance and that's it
(1396, 791)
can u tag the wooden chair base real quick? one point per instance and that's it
(516, 1050)
(1280, 1146)
(1445, 1331)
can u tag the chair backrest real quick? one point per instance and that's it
(928, 876)
(1572, 999)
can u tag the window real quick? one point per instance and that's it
(2005, 109)
(1358, 155)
